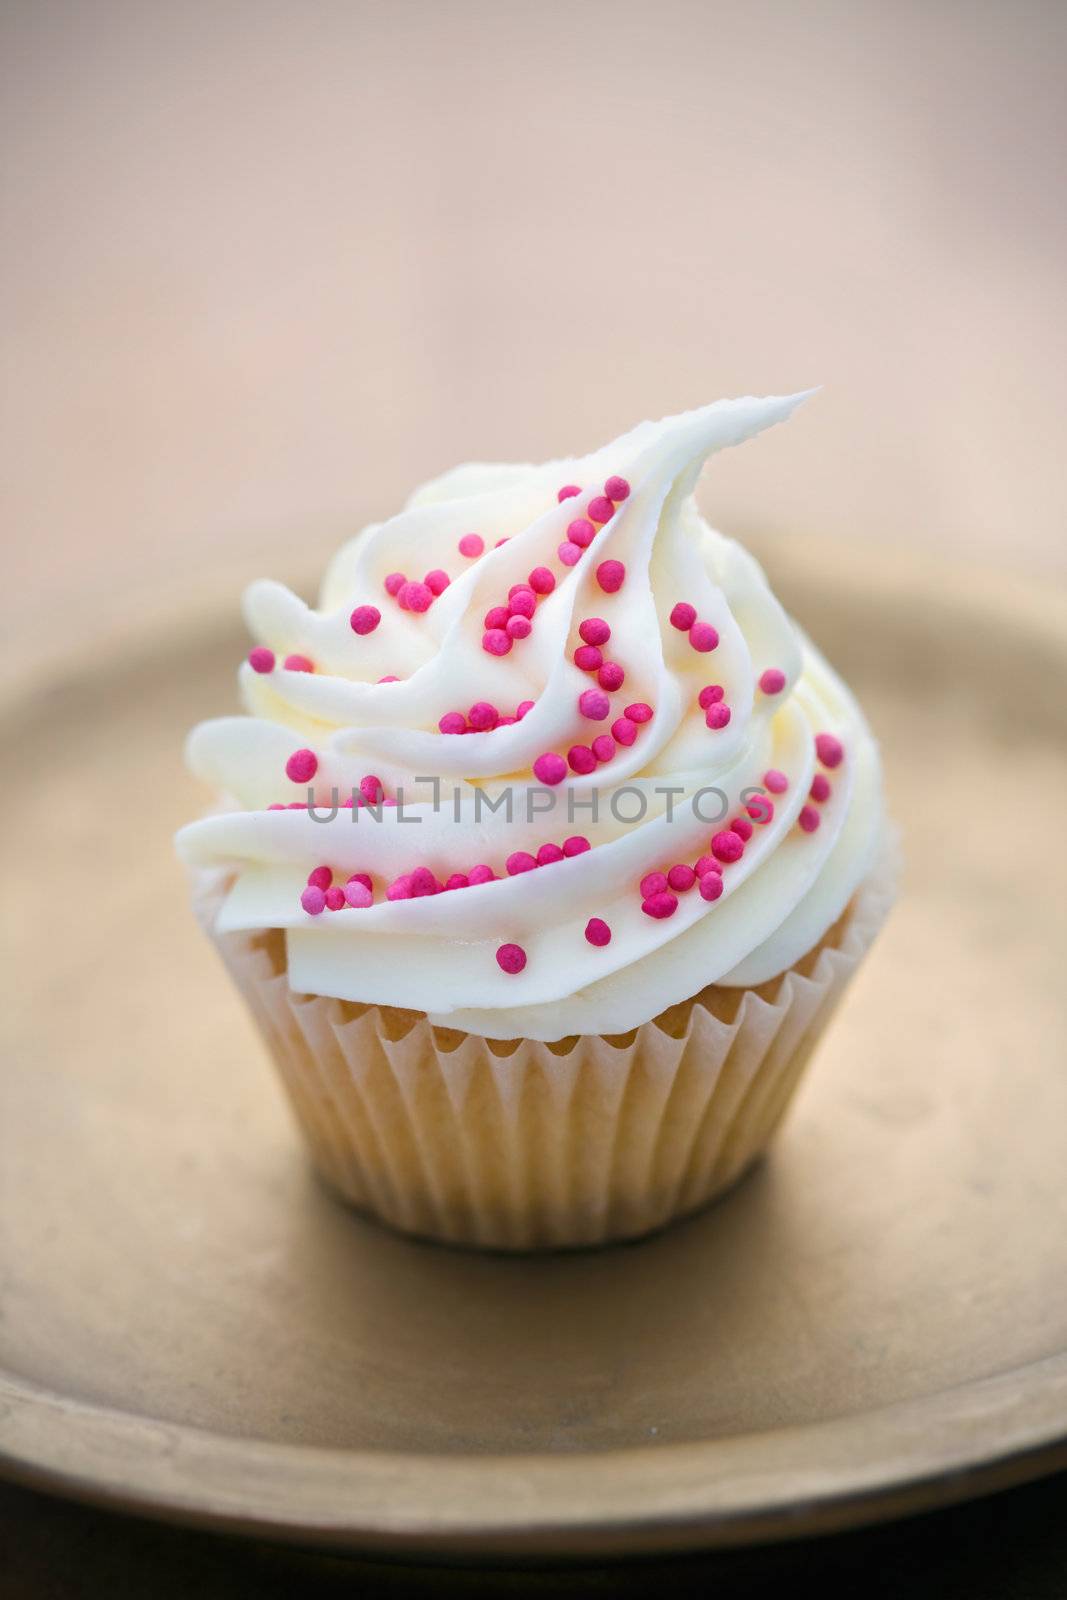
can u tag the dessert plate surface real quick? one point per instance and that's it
(874, 1321)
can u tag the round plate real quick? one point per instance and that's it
(876, 1320)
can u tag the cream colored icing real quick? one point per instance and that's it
(437, 954)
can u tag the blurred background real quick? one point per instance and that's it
(269, 263)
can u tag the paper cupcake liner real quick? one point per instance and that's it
(520, 1145)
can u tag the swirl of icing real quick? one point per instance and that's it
(659, 783)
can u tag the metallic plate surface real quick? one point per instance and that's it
(875, 1320)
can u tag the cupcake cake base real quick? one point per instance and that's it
(523, 1145)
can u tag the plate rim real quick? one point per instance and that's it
(798, 1481)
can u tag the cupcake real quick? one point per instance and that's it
(545, 849)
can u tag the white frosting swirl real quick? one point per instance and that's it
(437, 953)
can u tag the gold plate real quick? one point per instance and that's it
(876, 1320)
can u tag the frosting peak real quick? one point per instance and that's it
(541, 690)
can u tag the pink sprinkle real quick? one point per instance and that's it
(568, 492)
(775, 781)
(437, 581)
(453, 722)
(809, 819)
(277, 805)
(820, 787)
(710, 695)
(570, 554)
(705, 865)
(522, 602)
(710, 886)
(639, 712)
(499, 542)
(717, 716)
(595, 705)
(611, 676)
(390, 677)
(482, 716)
(520, 861)
(507, 722)
(594, 630)
(653, 883)
(365, 619)
(497, 617)
(302, 766)
(550, 768)
(576, 845)
(364, 878)
(548, 855)
(597, 932)
(624, 731)
(423, 883)
(313, 900)
(496, 642)
(727, 846)
(830, 750)
(519, 628)
(617, 489)
(335, 898)
(298, 664)
(703, 637)
(296, 805)
(399, 889)
(603, 747)
(394, 583)
(742, 827)
(261, 659)
(458, 880)
(581, 532)
(772, 681)
(588, 657)
(511, 958)
(415, 597)
(581, 759)
(683, 615)
(660, 905)
(523, 709)
(481, 874)
(542, 581)
(600, 508)
(372, 789)
(320, 878)
(611, 575)
(681, 877)
(761, 809)
(357, 895)
(471, 545)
